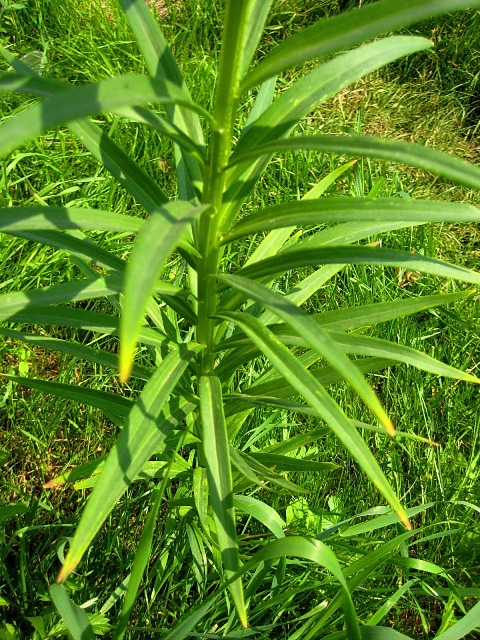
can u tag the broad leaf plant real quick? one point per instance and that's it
(184, 340)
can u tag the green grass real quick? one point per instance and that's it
(43, 436)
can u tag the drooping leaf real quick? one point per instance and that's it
(413, 155)
(79, 102)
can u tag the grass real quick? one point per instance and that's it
(42, 436)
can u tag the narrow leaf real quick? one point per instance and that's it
(217, 457)
(147, 426)
(303, 257)
(156, 240)
(315, 338)
(346, 30)
(74, 617)
(314, 393)
(341, 210)
(87, 100)
(413, 155)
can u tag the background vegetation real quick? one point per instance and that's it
(431, 98)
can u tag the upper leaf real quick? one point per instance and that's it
(347, 30)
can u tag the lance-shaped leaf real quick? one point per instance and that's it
(43, 218)
(110, 403)
(346, 30)
(302, 213)
(75, 243)
(157, 238)
(87, 100)
(150, 420)
(315, 338)
(108, 153)
(322, 83)
(413, 155)
(75, 349)
(314, 393)
(11, 303)
(217, 456)
(304, 257)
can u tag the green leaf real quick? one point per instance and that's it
(108, 402)
(287, 463)
(303, 257)
(370, 314)
(73, 616)
(262, 512)
(38, 217)
(79, 102)
(413, 155)
(342, 210)
(367, 346)
(11, 303)
(323, 83)
(217, 457)
(156, 240)
(315, 338)
(150, 420)
(346, 30)
(289, 546)
(75, 243)
(314, 393)
(75, 349)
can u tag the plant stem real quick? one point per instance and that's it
(220, 143)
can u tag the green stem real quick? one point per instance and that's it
(226, 102)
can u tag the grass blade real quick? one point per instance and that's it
(217, 457)
(413, 155)
(74, 617)
(149, 422)
(303, 257)
(351, 28)
(156, 240)
(469, 622)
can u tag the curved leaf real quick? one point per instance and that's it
(346, 30)
(320, 84)
(314, 393)
(315, 338)
(79, 102)
(413, 155)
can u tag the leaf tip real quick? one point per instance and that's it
(65, 571)
(125, 365)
